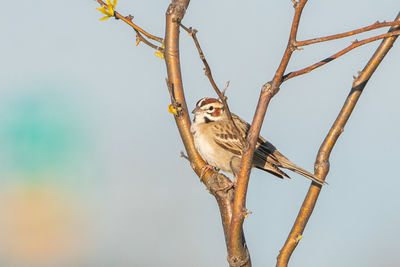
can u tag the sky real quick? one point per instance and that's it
(90, 166)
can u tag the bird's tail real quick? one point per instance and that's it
(287, 164)
(307, 174)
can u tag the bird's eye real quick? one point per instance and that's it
(211, 108)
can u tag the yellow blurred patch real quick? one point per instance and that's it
(37, 226)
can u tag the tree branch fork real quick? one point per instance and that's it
(232, 202)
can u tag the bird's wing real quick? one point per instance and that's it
(268, 158)
(226, 137)
(264, 149)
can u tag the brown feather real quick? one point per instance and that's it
(230, 149)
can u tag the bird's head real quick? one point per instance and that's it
(208, 110)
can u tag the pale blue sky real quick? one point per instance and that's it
(139, 203)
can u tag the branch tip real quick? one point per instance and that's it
(109, 10)
(192, 31)
(183, 155)
(226, 87)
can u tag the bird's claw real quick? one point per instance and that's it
(204, 169)
(230, 185)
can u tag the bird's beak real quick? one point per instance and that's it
(196, 110)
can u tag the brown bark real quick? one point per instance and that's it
(236, 249)
(322, 162)
(213, 180)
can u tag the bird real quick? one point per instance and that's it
(221, 147)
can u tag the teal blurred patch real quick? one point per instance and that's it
(39, 135)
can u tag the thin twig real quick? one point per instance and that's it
(221, 95)
(128, 20)
(140, 38)
(374, 26)
(226, 87)
(183, 155)
(236, 250)
(355, 44)
(322, 160)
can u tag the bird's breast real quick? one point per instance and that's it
(209, 150)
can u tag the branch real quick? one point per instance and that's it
(140, 38)
(322, 160)
(139, 31)
(236, 251)
(355, 44)
(374, 26)
(213, 180)
(221, 95)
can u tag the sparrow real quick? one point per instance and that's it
(219, 144)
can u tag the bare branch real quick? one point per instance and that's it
(236, 249)
(212, 180)
(221, 95)
(138, 30)
(322, 160)
(374, 26)
(355, 44)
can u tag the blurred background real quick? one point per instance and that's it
(90, 172)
